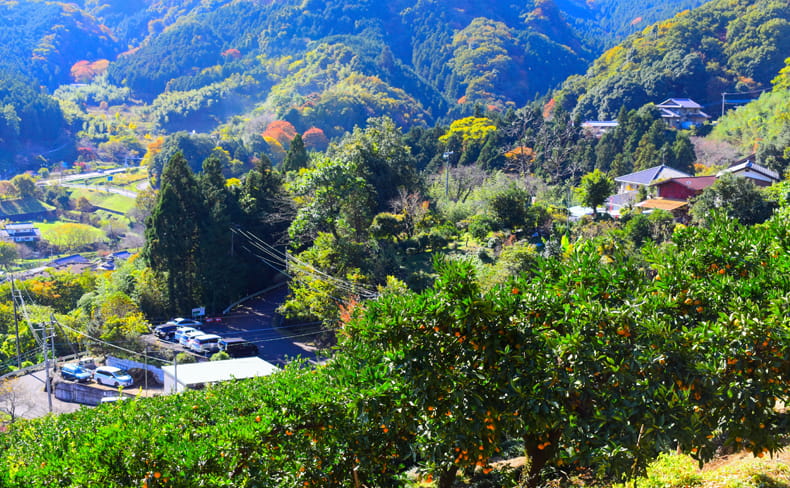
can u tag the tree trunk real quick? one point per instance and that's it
(447, 478)
(540, 450)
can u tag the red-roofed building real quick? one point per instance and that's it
(682, 188)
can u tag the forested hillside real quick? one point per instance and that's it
(322, 63)
(723, 46)
(770, 138)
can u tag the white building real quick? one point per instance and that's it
(196, 375)
(21, 232)
(682, 113)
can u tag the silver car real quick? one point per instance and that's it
(112, 376)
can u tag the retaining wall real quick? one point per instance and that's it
(128, 364)
(84, 394)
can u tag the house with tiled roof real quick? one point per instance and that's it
(682, 113)
(635, 181)
(748, 168)
(629, 185)
(20, 232)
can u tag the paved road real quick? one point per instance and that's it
(256, 321)
(108, 189)
(30, 398)
(81, 176)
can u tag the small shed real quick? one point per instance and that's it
(196, 375)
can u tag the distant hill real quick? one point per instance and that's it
(770, 138)
(327, 62)
(318, 63)
(722, 46)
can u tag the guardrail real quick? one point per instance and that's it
(39, 366)
(248, 297)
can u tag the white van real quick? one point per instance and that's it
(205, 344)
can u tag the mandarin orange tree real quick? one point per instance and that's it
(599, 359)
(595, 360)
(299, 428)
(458, 353)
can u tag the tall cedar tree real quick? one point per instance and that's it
(266, 211)
(219, 268)
(296, 157)
(172, 235)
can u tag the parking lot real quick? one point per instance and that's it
(255, 321)
(30, 400)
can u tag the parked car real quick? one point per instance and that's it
(75, 372)
(236, 347)
(165, 331)
(181, 331)
(87, 363)
(204, 343)
(183, 322)
(113, 399)
(112, 376)
(186, 336)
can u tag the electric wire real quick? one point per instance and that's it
(275, 258)
(129, 351)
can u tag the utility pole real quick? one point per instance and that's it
(47, 336)
(175, 374)
(16, 324)
(446, 157)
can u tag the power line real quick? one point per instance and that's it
(275, 258)
(134, 353)
(281, 338)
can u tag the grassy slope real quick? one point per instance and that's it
(112, 201)
(740, 470)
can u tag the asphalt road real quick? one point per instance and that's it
(30, 398)
(107, 189)
(257, 322)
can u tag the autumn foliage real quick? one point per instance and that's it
(315, 139)
(281, 131)
(84, 71)
(231, 53)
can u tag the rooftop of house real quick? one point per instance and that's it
(690, 182)
(679, 103)
(20, 227)
(662, 204)
(73, 259)
(750, 164)
(648, 176)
